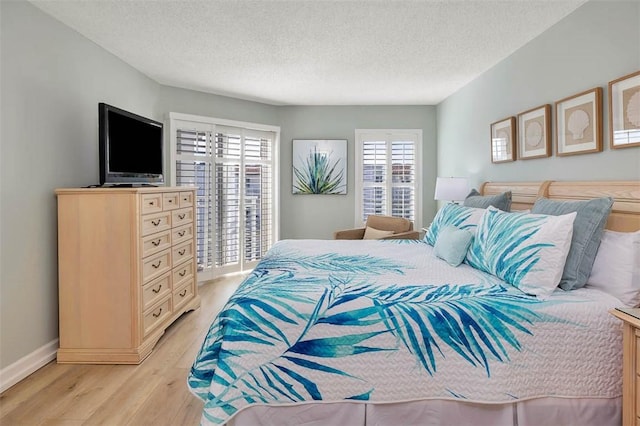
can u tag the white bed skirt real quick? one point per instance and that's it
(534, 412)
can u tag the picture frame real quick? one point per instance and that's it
(503, 140)
(319, 166)
(624, 111)
(534, 133)
(579, 123)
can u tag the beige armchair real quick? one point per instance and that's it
(402, 228)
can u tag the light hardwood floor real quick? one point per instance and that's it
(152, 393)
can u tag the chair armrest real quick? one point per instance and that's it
(349, 234)
(409, 235)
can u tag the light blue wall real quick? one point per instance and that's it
(317, 216)
(597, 43)
(51, 82)
(198, 103)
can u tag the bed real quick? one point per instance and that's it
(385, 333)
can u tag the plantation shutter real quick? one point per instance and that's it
(387, 165)
(244, 195)
(403, 163)
(233, 168)
(374, 172)
(258, 194)
(194, 167)
(227, 149)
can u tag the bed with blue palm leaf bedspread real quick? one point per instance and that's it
(386, 321)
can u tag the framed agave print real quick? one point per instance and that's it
(503, 140)
(624, 111)
(534, 133)
(579, 123)
(320, 166)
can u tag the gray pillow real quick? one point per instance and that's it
(587, 230)
(500, 201)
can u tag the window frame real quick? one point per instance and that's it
(247, 128)
(388, 135)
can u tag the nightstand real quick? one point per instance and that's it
(630, 364)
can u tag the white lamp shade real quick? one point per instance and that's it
(451, 188)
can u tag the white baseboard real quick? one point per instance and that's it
(26, 365)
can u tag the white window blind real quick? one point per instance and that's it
(258, 180)
(194, 167)
(233, 168)
(388, 174)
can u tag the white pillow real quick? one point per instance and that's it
(616, 269)
(375, 234)
(453, 214)
(526, 250)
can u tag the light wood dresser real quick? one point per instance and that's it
(126, 269)
(630, 365)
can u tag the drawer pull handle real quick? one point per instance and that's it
(182, 273)
(170, 200)
(185, 199)
(181, 233)
(151, 203)
(156, 243)
(183, 292)
(182, 216)
(158, 290)
(156, 222)
(182, 252)
(158, 314)
(158, 265)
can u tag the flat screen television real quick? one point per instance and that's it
(131, 148)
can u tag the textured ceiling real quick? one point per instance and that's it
(361, 52)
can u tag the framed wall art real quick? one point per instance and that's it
(503, 136)
(624, 111)
(579, 123)
(534, 133)
(320, 166)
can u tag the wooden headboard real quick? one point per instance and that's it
(625, 214)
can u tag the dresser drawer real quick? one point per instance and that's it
(156, 265)
(182, 295)
(181, 233)
(155, 290)
(151, 203)
(182, 216)
(170, 200)
(156, 315)
(182, 273)
(156, 242)
(182, 252)
(153, 223)
(186, 199)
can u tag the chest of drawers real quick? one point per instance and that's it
(630, 366)
(126, 269)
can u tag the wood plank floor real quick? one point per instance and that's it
(152, 393)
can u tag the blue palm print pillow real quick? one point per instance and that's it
(453, 214)
(526, 250)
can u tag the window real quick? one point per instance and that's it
(233, 165)
(388, 171)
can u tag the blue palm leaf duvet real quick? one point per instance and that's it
(386, 321)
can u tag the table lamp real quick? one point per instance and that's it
(451, 189)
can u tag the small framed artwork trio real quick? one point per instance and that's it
(578, 124)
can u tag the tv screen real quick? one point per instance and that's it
(131, 147)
